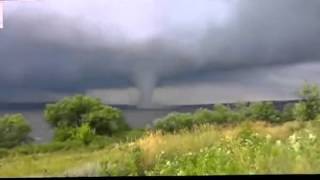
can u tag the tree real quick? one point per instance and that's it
(14, 130)
(309, 107)
(70, 110)
(106, 121)
(77, 113)
(263, 111)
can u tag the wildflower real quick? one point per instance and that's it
(131, 144)
(181, 173)
(312, 137)
(268, 137)
(278, 142)
(168, 163)
(293, 138)
(296, 146)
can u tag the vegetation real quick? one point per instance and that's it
(82, 117)
(247, 148)
(309, 107)
(14, 130)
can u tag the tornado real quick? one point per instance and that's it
(145, 81)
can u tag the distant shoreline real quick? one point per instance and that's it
(41, 105)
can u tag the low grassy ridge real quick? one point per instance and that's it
(243, 148)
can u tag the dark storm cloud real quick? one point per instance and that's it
(56, 54)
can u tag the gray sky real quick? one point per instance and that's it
(171, 51)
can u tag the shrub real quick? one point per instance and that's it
(263, 111)
(242, 110)
(287, 113)
(220, 114)
(203, 116)
(80, 117)
(14, 131)
(70, 110)
(309, 107)
(106, 121)
(63, 133)
(224, 114)
(84, 134)
(174, 121)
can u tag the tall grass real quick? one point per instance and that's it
(245, 148)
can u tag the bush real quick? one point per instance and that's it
(264, 111)
(70, 110)
(80, 117)
(203, 116)
(309, 107)
(220, 114)
(287, 113)
(174, 121)
(106, 121)
(63, 133)
(84, 134)
(224, 114)
(14, 130)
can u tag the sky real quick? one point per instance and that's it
(164, 52)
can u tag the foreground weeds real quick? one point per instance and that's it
(244, 148)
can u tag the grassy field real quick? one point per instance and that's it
(245, 148)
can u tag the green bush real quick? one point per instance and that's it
(81, 117)
(224, 114)
(309, 107)
(264, 111)
(242, 110)
(84, 134)
(63, 133)
(70, 110)
(287, 113)
(174, 121)
(203, 116)
(14, 130)
(106, 121)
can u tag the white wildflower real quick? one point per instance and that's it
(296, 146)
(278, 142)
(292, 138)
(181, 173)
(312, 137)
(131, 144)
(168, 163)
(268, 137)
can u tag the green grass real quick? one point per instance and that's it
(245, 148)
